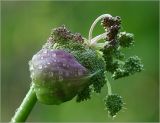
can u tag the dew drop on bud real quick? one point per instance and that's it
(54, 55)
(48, 63)
(42, 57)
(45, 51)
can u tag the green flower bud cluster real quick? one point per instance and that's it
(131, 66)
(69, 65)
(116, 63)
(114, 57)
(113, 104)
(125, 39)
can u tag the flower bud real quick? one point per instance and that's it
(57, 76)
(114, 104)
(133, 64)
(110, 21)
(126, 39)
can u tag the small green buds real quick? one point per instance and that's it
(116, 63)
(133, 64)
(62, 35)
(130, 66)
(114, 104)
(126, 39)
(119, 73)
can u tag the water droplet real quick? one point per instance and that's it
(40, 67)
(41, 57)
(54, 55)
(48, 63)
(45, 51)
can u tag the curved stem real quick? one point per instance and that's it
(94, 23)
(97, 38)
(26, 106)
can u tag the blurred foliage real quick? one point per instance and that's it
(25, 26)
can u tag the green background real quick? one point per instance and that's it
(25, 26)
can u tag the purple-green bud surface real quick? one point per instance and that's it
(57, 76)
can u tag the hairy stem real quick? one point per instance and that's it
(26, 106)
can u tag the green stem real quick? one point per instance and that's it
(94, 24)
(26, 106)
(108, 86)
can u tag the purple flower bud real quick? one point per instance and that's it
(57, 74)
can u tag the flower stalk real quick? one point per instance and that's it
(26, 106)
